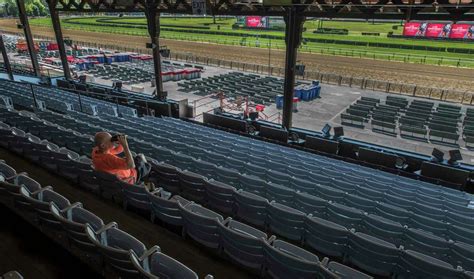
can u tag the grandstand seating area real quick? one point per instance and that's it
(48, 98)
(380, 223)
(262, 90)
(131, 73)
(416, 119)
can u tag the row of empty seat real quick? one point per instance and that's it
(342, 245)
(67, 163)
(84, 230)
(59, 100)
(191, 128)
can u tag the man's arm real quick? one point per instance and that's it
(117, 150)
(128, 154)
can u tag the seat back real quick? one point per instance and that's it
(192, 186)
(220, 196)
(372, 254)
(325, 236)
(201, 224)
(136, 196)
(165, 207)
(251, 208)
(244, 244)
(284, 260)
(419, 265)
(286, 221)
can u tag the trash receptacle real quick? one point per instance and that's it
(279, 101)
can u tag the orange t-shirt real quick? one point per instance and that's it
(110, 163)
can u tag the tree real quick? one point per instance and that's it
(33, 8)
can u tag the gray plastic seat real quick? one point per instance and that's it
(164, 207)
(310, 204)
(277, 177)
(39, 203)
(280, 194)
(459, 220)
(285, 221)
(359, 202)
(372, 254)
(115, 245)
(344, 216)
(329, 194)
(251, 208)
(254, 170)
(227, 176)
(192, 186)
(7, 172)
(74, 220)
(302, 185)
(242, 243)
(325, 236)
(462, 255)
(392, 212)
(158, 265)
(254, 184)
(205, 168)
(460, 234)
(136, 196)
(427, 243)
(220, 196)
(345, 272)
(201, 224)
(111, 187)
(418, 265)
(284, 260)
(428, 224)
(165, 176)
(382, 228)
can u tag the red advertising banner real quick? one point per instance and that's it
(462, 31)
(256, 22)
(411, 28)
(438, 30)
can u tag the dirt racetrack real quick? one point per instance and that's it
(421, 75)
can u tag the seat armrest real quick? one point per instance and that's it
(106, 227)
(271, 239)
(150, 252)
(226, 221)
(42, 190)
(74, 205)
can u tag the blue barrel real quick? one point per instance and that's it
(315, 82)
(101, 59)
(318, 91)
(297, 92)
(306, 95)
(313, 92)
(279, 101)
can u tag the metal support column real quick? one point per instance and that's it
(153, 20)
(28, 36)
(59, 39)
(6, 61)
(293, 33)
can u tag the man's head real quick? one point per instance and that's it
(103, 142)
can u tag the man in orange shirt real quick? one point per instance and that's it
(105, 159)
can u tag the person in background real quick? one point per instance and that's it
(105, 159)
